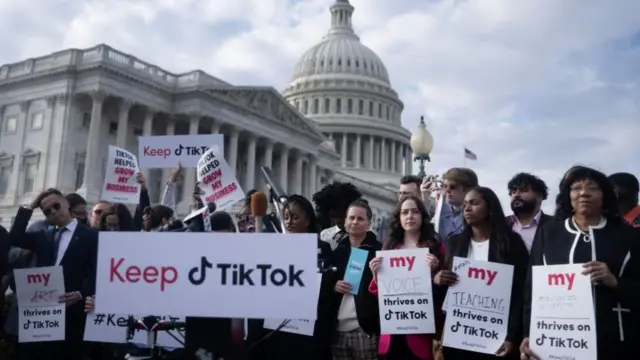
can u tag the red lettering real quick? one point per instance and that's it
(222, 193)
(402, 261)
(216, 185)
(123, 179)
(124, 171)
(122, 188)
(148, 151)
(39, 279)
(561, 280)
(212, 176)
(149, 275)
(482, 274)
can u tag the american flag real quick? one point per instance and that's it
(468, 154)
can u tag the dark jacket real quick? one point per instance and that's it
(265, 344)
(516, 255)
(544, 218)
(366, 302)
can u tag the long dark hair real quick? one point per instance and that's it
(428, 237)
(564, 209)
(125, 220)
(307, 208)
(500, 233)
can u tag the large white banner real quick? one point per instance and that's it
(478, 306)
(208, 274)
(405, 298)
(563, 322)
(112, 328)
(167, 151)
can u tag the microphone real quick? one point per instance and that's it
(329, 269)
(259, 207)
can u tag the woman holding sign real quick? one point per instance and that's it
(487, 238)
(410, 228)
(352, 310)
(589, 230)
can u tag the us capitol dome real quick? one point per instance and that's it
(344, 87)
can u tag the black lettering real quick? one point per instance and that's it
(198, 274)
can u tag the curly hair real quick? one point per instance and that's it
(428, 236)
(580, 173)
(334, 197)
(523, 180)
(307, 208)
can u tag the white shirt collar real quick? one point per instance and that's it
(71, 227)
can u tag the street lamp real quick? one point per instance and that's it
(421, 145)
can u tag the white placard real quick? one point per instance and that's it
(478, 309)
(217, 181)
(40, 316)
(112, 328)
(562, 315)
(120, 182)
(405, 297)
(157, 152)
(156, 273)
(294, 326)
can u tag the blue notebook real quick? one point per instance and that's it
(355, 268)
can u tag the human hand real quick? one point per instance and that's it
(343, 287)
(506, 349)
(374, 265)
(141, 180)
(600, 274)
(176, 173)
(89, 304)
(70, 298)
(525, 351)
(445, 277)
(433, 262)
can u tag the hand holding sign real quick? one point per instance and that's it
(600, 274)
(445, 277)
(343, 287)
(374, 265)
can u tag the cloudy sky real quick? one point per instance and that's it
(528, 85)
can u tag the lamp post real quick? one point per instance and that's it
(421, 145)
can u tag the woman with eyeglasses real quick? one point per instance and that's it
(589, 230)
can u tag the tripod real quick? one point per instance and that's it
(152, 325)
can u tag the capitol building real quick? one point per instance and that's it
(338, 119)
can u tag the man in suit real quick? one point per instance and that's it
(527, 193)
(71, 245)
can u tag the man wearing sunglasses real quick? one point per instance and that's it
(69, 244)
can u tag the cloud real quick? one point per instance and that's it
(528, 85)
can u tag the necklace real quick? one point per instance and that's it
(586, 236)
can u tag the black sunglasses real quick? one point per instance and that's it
(47, 211)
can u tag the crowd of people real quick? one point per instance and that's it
(471, 224)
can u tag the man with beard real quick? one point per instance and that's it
(527, 193)
(627, 187)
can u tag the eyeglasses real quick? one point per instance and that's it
(54, 206)
(97, 212)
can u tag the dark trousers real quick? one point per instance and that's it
(52, 350)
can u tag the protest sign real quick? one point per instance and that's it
(40, 316)
(217, 181)
(139, 273)
(563, 322)
(404, 292)
(112, 328)
(355, 268)
(478, 308)
(294, 326)
(157, 152)
(120, 182)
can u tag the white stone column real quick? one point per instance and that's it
(408, 168)
(123, 123)
(147, 130)
(233, 150)
(267, 160)
(399, 165)
(394, 168)
(250, 175)
(284, 168)
(313, 176)
(384, 155)
(358, 152)
(371, 155)
(297, 175)
(344, 149)
(90, 189)
(44, 165)
(215, 127)
(170, 130)
(190, 178)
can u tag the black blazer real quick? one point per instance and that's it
(78, 264)
(517, 255)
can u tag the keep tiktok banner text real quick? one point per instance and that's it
(139, 273)
(405, 297)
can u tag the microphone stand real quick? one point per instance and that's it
(276, 202)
